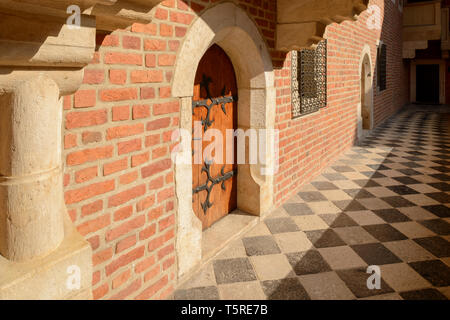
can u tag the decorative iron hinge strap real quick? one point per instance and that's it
(209, 104)
(214, 181)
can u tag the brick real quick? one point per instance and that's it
(131, 42)
(120, 113)
(156, 167)
(126, 243)
(73, 215)
(157, 183)
(146, 76)
(166, 223)
(152, 273)
(94, 242)
(158, 124)
(149, 28)
(165, 30)
(100, 292)
(145, 264)
(66, 180)
(91, 208)
(165, 194)
(145, 203)
(141, 111)
(91, 137)
(168, 263)
(179, 17)
(147, 232)
(105, 40)
(67, 102)
(129, 146)
(70, 141)
(124, 260)
(168, 3)
(128, 178)
(123, 213)
(160, 152)
(166, 108)
(77, 195)
(123, 58)
(180, 32)
(125, 228)
(85, 119)
(85, 98)
(125, 196)
(166, 60)
(165, 251)
(89, 155)
(124, 131)
(155, 213)
(96, 277)
(167, 136)
(140, 159)
(155, 45)
(165, 92)
(116, 166)
(152, 140)
(93, 76)
(147, 93)
(133, 287)
(94, 225)
(102, 256)
(169, 178)
(117, 76)
(161, 14)
(153, 289)
(150, 60)
(120, 94)
(86, 174)
(169, 206)
(121, 279)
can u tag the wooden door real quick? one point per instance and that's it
(215, 106)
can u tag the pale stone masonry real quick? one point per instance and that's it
(87, 116)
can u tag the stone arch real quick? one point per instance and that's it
(365, 106)
(229, 27)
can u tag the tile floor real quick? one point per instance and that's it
(386, 202)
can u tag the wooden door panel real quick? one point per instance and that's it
(215, 105)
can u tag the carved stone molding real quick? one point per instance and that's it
(302, 23)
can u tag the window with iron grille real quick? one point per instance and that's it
(381, 66)
(309, 80)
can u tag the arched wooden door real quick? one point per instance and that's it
(215, 107)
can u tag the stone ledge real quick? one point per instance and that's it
(45, 278)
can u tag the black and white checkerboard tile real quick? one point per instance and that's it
(385, 202)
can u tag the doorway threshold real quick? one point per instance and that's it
(216, 238)
(224, 231)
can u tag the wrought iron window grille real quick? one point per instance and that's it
(309, 80)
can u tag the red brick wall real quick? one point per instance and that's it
(119, 180)
(310, 143)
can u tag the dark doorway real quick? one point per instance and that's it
(427, 83)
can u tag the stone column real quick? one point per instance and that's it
(31, 206)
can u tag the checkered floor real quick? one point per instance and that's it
(385, 202)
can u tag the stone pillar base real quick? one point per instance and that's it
(52, 277)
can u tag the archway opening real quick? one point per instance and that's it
(365, 107)
(230, 28)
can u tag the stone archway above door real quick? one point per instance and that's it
(229, 27)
